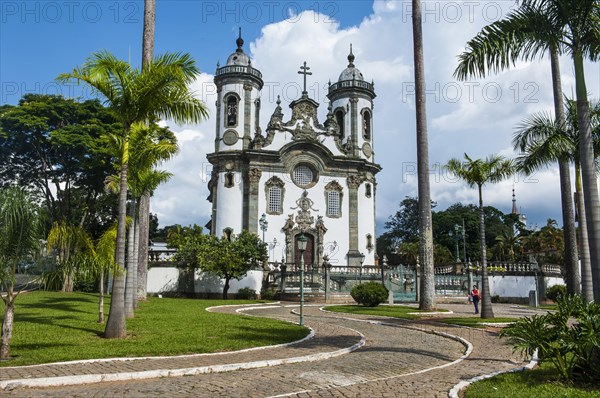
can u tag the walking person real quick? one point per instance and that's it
(475, 296)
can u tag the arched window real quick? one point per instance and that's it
(333, 199)
(366, 118)
(227, 233)
(339, 118)
(231, 117)
(368, 191)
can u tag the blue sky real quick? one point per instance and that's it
(41, 39)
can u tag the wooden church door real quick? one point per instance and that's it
(309, 253)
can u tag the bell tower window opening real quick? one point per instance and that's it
(227, 232)
(368, 191)
(231, 117)
(339, 118)
(366, 118)
(229, 180)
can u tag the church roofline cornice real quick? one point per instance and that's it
(238, 72)
(351, 86)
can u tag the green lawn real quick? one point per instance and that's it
(51, 326)
(395, 311)
(539, 383)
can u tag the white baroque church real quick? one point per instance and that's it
(297, 175)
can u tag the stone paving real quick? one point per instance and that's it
(399, 358)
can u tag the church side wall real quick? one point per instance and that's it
(366, 224)
(229, 205)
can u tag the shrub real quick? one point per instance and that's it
(496, 298)
(369, 294)
(269, 294)
(573, 349)
(246, 293)
(556, 291)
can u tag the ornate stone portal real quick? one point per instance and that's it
(304, 222)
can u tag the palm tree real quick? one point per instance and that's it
(104, 260)
(71, 244)
(479, 172)
(160, 90)
(144, 205)
(154, 145)
(569, 26)
(541, 141)
(524, 33)
(427, 296)
(20, 228)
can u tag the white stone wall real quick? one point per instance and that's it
(162, 279)
(517, 286)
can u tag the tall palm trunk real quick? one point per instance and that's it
(486, 298)
(427, 296)
(584, 249)
(144, 220)
(101, 298)
(144, 215)
(573, 279)
(130, 290)
(589, 179)
(136, 244)
(115, 325)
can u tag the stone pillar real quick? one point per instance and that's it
(354, 125)
(219, 127)
(251, 218)
(327, 270)
(247, 114)
(353, 255)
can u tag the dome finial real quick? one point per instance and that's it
(239, 41)
(350, 58)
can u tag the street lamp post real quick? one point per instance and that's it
(362, 260)
(264, 224)
(302, 247)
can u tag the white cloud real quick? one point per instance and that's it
(382, 43)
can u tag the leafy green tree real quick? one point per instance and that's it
(56, 147)
(478, 172)
(228, 259)
(160, 90)
(20, 233)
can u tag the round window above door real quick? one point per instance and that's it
(304, 176)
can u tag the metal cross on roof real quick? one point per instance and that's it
(304, 72)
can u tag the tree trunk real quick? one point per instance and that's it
(584, 247)
(142, 268)
(115, 326)
(589, 179)
(427, 296)
(130, 290)
(226, 287)
(134, 271)
(144, 219)
(148, 34)
(101, 298)
(573, 279)
(7, 323)
(486, 298)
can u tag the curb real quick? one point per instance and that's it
(454, 392)
(158, 373)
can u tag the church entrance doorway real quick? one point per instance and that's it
(309, 253)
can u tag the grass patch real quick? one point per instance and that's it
(395, 311)
(53, 326)
(540, 383)
(474, 322)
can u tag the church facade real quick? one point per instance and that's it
(298, 175)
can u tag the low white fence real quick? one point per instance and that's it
(171, 279)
